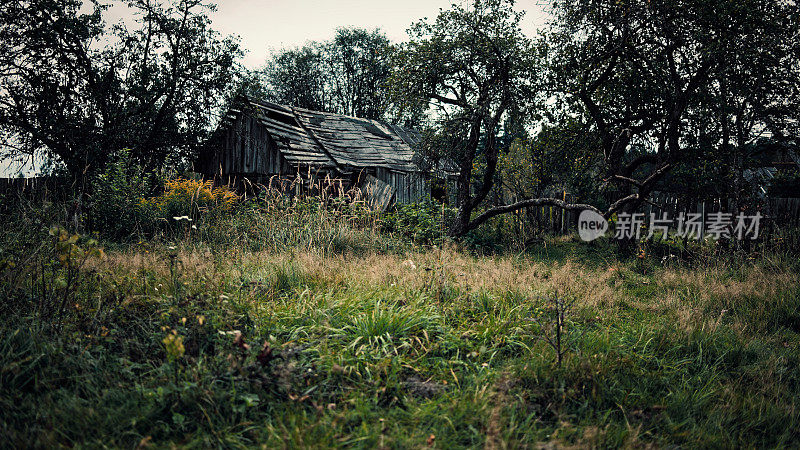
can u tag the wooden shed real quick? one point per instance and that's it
(262, 141)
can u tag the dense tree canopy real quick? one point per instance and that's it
(669, 76)
(79, 91)
(345, 75)
(633, 89)
(472, 65)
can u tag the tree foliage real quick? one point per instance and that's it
(472, 66)
(669, 76)
(345, 75)
(79, 91)
(559, 158)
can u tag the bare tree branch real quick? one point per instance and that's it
(544, 201)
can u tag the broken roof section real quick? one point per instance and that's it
(329, 140)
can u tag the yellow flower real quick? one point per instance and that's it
(173, 344)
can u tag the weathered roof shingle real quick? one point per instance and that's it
(334, 140)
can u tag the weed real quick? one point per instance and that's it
(554, 324)
(291, 322)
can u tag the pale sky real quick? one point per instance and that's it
(269, 25)
(266, 25)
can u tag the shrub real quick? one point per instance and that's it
(122, 204)
(186, 197)
(115, 207)
(424, 222)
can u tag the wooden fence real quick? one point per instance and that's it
(553, 220)
(784, 211)
(30, 188)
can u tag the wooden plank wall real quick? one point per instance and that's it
(409, 187)
(249, 149)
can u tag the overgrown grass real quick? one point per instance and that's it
(311, 326)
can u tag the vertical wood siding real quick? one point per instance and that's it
(248, 149)
(409, 187)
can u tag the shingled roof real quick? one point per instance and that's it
(329, 140)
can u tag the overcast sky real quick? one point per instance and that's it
(269, 25)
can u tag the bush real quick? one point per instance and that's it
(424, 222)
(122, 204)
(191, 198)
(115, 206)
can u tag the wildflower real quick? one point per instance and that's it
(173, 344)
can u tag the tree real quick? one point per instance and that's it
(80, 92)
(300, 77)
(655, 73)
(360, 66)
(345, 75)
(559, 158)
(472, 65)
